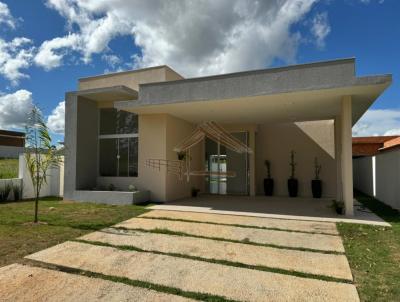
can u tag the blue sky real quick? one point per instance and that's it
(45, 46)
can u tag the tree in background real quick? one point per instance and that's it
(40, 154)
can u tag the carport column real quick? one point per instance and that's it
(346, 154)
(338, 158)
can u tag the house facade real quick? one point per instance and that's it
(12, 143)
(122, 128)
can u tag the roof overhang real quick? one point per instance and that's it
(306, 105)
(108, 94)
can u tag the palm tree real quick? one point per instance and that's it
(40, 154)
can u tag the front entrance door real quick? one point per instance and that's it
(220, 158)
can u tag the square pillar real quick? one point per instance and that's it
(338, 159)
(346, 154)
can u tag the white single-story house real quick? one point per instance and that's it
(122, 130)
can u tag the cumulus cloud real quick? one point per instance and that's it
(5, 16)
(56, 120)
(320, 28)
(14, 108)
(51, 52)
(378, 122)
(15, 55)
(194, 37)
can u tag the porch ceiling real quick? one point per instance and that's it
(283, 107)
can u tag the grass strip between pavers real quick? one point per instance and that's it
(245, 241)
(235, 225)
(218, 261)
(127, 281)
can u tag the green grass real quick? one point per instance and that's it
(374, 253)
(64, 221)
(8, 168)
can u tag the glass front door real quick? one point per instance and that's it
(219, 158)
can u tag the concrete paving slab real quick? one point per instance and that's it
(280, 238)
(197, 276)
(307, 262)
(284, 224)
(26, 283)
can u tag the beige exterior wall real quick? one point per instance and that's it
(158, 135)
(177, 130)
(152, 144)
(275, 141)
(130, 79)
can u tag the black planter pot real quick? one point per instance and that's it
(339, 210)
(195, 193)
(268, 186)
(316, 187)
(293, 187)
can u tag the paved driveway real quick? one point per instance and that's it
(179, 256)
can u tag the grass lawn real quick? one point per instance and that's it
(8, 168)
(374, 253)
(65, 220)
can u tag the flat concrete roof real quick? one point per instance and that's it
(111, 74)
(106, 94)
(292, 93)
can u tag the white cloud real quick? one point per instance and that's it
(194, 37)
(320, 28)
(14, 108)
(378, 122)
(112, 61)
(6, 17)
(14, 56)
(56, 120)
(51, 52)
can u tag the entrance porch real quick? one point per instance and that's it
(300, 208)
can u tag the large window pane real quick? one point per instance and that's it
(108, 157)
(123, 157)
(113, 121)
(133, 156)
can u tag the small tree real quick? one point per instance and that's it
(40, 154)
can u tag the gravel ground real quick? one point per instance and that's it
(281, 238)
(198, 276)
(301, 261)
(296, 225)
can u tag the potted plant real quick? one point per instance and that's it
(293, 184)
(269, 181)
(181, 155)
(316, 183)
(338, 206)
(195, 192)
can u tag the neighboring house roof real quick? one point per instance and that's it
(12, 138)
(372, 145)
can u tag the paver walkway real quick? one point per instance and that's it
(260, 236)
(192, 255)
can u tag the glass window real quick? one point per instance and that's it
(113, 121)
(133, 156)
(118, 143)
(108, 156)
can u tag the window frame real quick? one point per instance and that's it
(117, 137)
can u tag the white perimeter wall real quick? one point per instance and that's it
(53, 187)
(379, 176)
